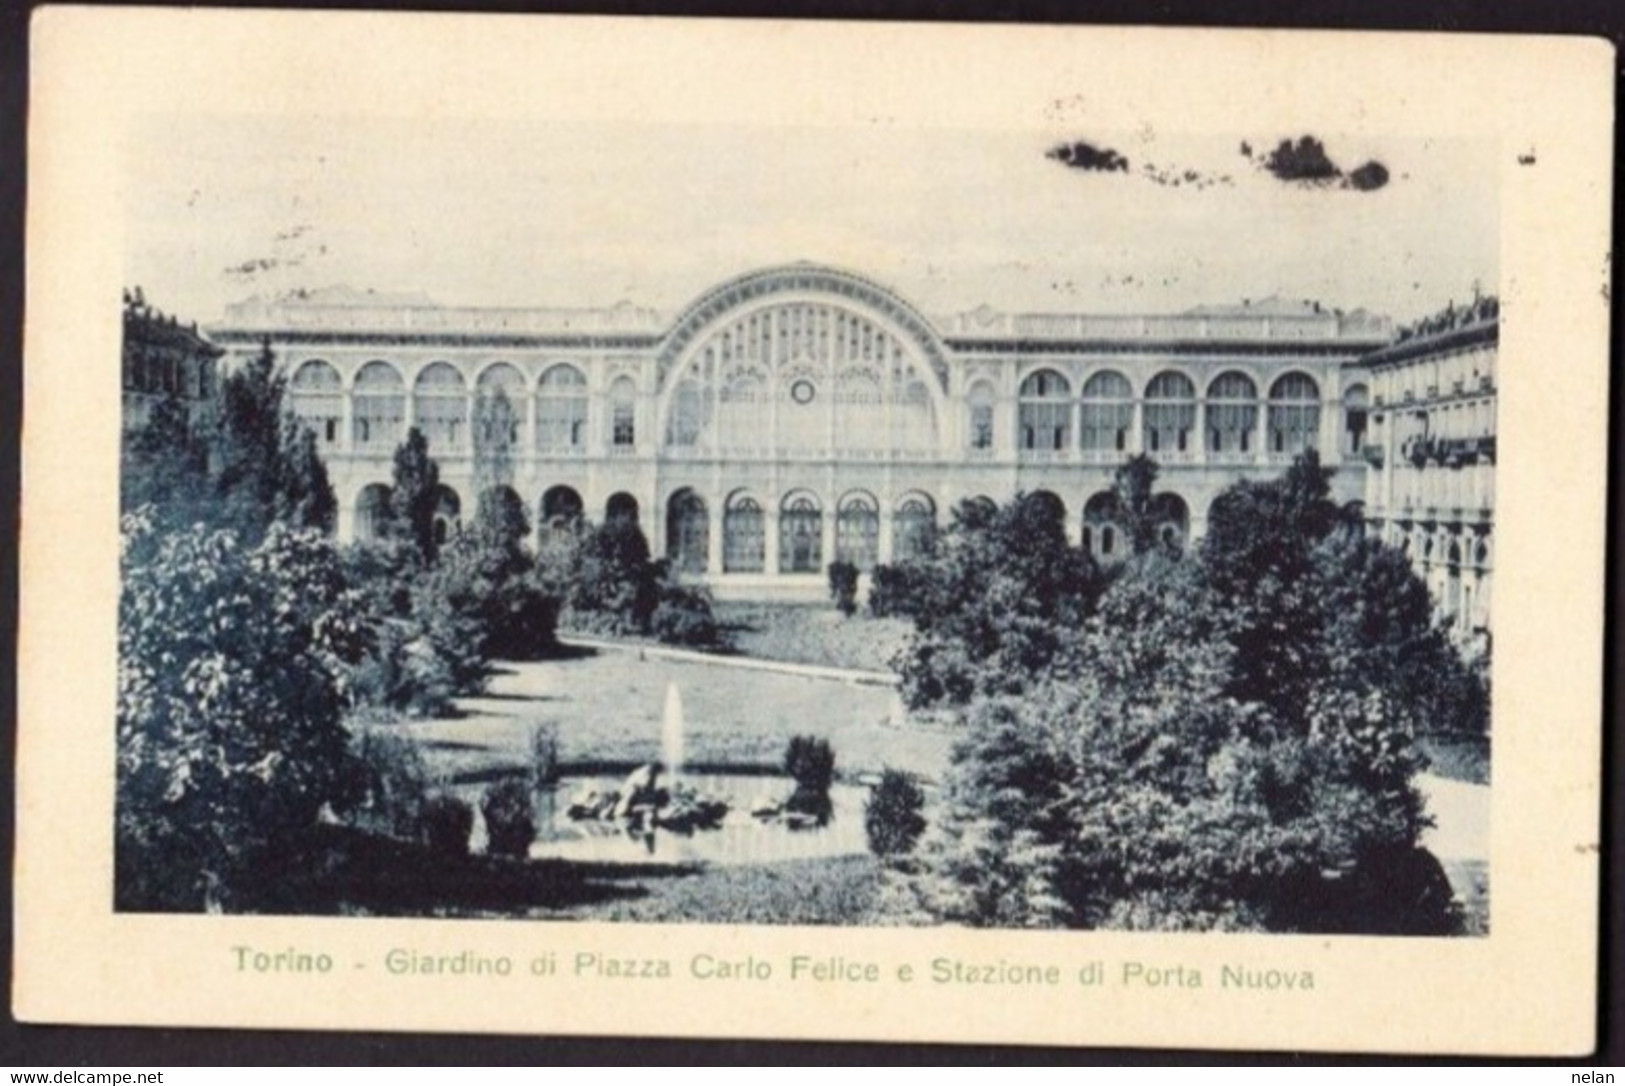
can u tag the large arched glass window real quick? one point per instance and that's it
(316, 396)
(744, 536)
(561, 409)
(688, 532)
(979, 404)
(1108, 412)
(1232, 414)
(1294, 418)
(857, 530)
(1046, 412)
(801, 534)
(1170, 413)
(860, 408)
(378, 407)
(440, 404)
(744, 411)
(623, 413)
(915, 527)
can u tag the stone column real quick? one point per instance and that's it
(770, 536)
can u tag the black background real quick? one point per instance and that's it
(57, 1047)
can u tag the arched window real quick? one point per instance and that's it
(914, 528)
(1050, 507)
(1100, 529)
(1232, 414)
(499, 397)
(1170, 413)
(378, 407)
(744, 536)
(561, 511)
(1173, 520)
(1294, 418)
(979, 402)
(1046, 412)
(1356, 415)
(1108, 412)
(561, 409)
(440, 403)
(857, 530)
(316, 396)
(623, 406)
(448, 509)
(801, 535)
(688, 532)
(621, 507)
(372, 512)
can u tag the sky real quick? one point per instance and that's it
(558, 214)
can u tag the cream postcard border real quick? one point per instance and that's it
(1528, 988)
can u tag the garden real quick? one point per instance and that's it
(1233, 738)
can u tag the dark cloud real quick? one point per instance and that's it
(1086, 156)
(250, 268)
(1304, 161)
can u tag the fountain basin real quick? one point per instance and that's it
(736, 827)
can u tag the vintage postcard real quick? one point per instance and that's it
(744, 529)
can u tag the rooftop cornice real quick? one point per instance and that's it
(1455, 339)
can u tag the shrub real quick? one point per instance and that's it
(393, 785)
(892, 817)
(447, 823)
(544, 753)
(684, 617)
(230, 738)
(615, 579)
(510, 825)
(902, 590)
(810, 762)
(843, 586)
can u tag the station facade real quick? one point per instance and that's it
(797, 415)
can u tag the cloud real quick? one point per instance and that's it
(1305, 162)
(1080, 155)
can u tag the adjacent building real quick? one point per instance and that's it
(799, 414)
(1430, 490)
(162, 358)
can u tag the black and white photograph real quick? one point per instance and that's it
(1073, 517)
(878, 549)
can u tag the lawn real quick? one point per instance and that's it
(608, 707)
(812, 634)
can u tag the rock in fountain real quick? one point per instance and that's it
(643, 799)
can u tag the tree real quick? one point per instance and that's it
(165, 468)
(415, 495)
(230, 738)
(304, 496)
(616, 581)
(1132, 503)
(1006, 592)
(245, 444)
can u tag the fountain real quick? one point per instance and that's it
(666, 809)
(671, 734)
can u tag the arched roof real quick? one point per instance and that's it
(802, 278)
